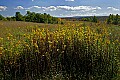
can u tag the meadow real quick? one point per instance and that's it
(73, 50)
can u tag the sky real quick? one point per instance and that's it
(61, 8)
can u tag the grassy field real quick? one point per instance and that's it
(69, 51)
(16, 27)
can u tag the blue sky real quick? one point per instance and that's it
(61, 8)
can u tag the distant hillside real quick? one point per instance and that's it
(100, 18)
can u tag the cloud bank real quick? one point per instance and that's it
(71, 10)
(66, 8)
(112, 8)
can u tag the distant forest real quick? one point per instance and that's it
(111, 19)
(91, 19)
(33, 17)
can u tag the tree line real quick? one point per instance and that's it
(113, 19)
(91, 19)
(33, 17)
(47, 18)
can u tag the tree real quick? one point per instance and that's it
(18, 16)
(116, 19)
(49, 18)
(27, 16)
(1, 17)
(94, 19)
(109, 19)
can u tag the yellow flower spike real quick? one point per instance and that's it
(117, 41)
(113, 42)
(65, 46)
(8, 38)
(49, 42)
(1, 39)
(108, 41)
(57, 49)
(19, 42)
(10, 35)
(27, 45)
(1, 48)
(35, 44)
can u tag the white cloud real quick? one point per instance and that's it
(50, 8)
(112, 8)
(71, 8)
(78, 8)
(32, 0)
(19, 8)
(62, 8)
(3, 8)
(37, 7)
(69, 0)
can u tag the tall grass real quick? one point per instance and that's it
(67, 53)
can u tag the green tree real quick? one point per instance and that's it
(45, 18)
(18, 16)
(95, 19)
(27, 16)
(116, 19)
(109, 19)
(1, 17)
(49, 18)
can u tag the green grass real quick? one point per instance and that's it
(17, 27)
